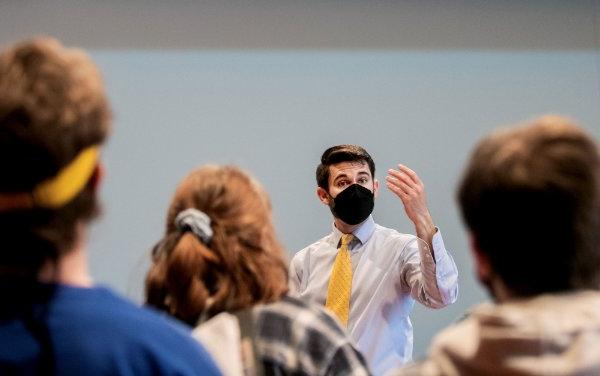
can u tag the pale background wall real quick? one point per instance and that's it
(270, 84)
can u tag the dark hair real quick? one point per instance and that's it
(531, 197)
(241, 266)
(52, 106)
(341, 153)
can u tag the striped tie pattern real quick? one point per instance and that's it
(340, 282)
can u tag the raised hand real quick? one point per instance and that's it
(407, 185)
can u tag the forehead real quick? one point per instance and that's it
(348, 168)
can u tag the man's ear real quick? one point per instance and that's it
(482, 265)
(375, 187)
(323, 196)
(97, 176)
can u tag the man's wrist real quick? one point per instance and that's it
(425, 228)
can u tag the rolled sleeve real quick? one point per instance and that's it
(433, 277)
(446, 273)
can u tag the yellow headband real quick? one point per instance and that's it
(57, 191)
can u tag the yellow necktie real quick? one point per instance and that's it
(340, 282)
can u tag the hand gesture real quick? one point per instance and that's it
(405, 184)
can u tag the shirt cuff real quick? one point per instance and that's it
(439, 249)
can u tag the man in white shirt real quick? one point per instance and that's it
(371, 279)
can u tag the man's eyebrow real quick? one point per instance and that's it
(364, 174)
(342, 175)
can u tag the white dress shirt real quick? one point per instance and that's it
(390, 271)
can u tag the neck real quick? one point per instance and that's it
(71, 268)
(344, 227)
(500, 292)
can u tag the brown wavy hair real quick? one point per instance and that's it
(52, 106)
(531, 196)
(242, 265)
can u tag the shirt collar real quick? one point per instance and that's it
(363, 232)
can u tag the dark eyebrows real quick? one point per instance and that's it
(340, 176)
(345, 176)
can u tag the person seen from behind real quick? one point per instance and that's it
(530, 198)
(54, 119)
(220, 266)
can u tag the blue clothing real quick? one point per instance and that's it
(92, 331)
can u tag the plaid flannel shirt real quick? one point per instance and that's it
(298, 338)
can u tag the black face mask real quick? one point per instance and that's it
(352, 205)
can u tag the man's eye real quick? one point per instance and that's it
(363, 180)
(342, 183)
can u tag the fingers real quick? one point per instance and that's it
(400, 176)
(406, 175)
(395, 190)
(413, 175)
(400, 188)
(405, 183)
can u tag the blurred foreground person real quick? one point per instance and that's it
(54, 117)
(220, 265)
(530, 198)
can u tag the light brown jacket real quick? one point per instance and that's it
(548, 335)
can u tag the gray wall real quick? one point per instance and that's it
(269, 85)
